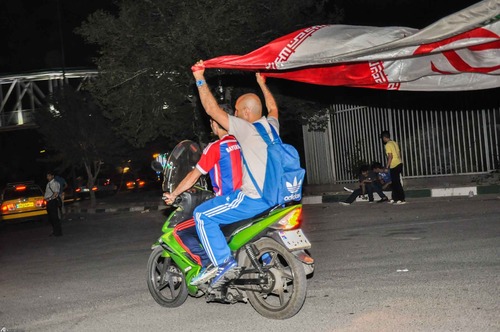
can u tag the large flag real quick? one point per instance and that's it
(458, 52)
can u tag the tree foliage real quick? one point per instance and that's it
(72, 123)
(148, 47)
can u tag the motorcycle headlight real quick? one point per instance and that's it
(156, 244)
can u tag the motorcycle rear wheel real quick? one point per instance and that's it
(166, 282)
(286, 278)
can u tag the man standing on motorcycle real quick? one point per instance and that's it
(246, 202)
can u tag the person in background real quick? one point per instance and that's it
(395, 165)
(51, 194)
(63, 185)
(383, 180)
(365, 180)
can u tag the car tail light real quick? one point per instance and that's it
(130, 184)
(8, 207)
(40, 203)
(94, 188)
(78, 190)
(20, 188)
(141, 183)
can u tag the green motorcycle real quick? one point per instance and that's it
(271, 251)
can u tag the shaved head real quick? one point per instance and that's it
(249, 107)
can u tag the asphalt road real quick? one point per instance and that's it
(430, 265)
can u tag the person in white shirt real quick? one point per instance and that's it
(51, 196)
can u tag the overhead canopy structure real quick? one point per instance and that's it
(457, 53)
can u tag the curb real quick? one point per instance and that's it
(314, 199)
(415, 193)
(132, 208)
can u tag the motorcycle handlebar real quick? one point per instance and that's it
(176, 201)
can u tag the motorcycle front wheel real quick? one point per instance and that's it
(166, 282)
(285, 293)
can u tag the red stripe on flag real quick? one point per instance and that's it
(478, 33)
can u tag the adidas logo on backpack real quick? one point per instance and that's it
(295, 189)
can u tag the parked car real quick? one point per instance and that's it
(140, 182)
(135, 184)
(101, 187)
(22, 200)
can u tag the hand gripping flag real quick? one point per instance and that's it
(458, 52)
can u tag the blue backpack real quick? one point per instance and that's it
(284, 176)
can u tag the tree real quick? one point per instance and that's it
(147, 49)
(73, 124)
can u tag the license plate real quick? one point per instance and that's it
(295, 239)
(25, 205)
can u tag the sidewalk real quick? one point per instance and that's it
(336, 193)
(440, 186)
(125, 201)
(312, 194)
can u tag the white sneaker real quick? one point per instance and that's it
(391, 201)
(205, 275)
(347, 189)
(401, 202)
(344, 203)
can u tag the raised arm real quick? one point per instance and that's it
(272, 107)
(207, 98)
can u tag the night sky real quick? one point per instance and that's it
(30, 36)
(30, 41)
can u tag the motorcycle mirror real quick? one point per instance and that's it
(156, 166)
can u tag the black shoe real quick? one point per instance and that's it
(383, 199)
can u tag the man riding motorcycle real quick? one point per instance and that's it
(222, 160)
(246, 202)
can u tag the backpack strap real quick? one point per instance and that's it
(275, 134)
(265, 136)
(251, 176)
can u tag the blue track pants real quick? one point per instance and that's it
(223, 210)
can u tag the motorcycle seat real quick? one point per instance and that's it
(229, 230)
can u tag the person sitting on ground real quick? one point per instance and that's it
(366, 180)
(384, 176)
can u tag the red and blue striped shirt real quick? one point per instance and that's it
(222, 159)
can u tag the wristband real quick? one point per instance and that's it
(200, 83)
